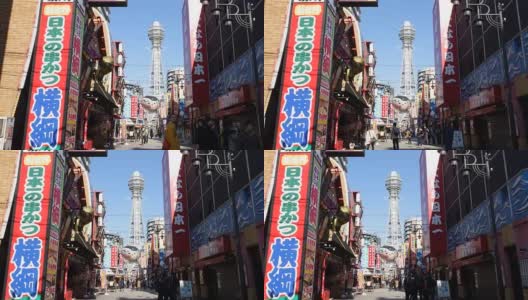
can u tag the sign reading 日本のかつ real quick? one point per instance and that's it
(297, 113)
(48, 96)
(288, 226)
(28, 242)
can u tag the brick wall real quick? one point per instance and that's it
(8, 161)
(274, 21)
(17, 18)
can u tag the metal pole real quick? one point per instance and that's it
(240, 258)
(509, 104)
(260, 93)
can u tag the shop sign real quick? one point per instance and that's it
(295, 130)
(114, 257)
(384, 106)
(133, 106)
(433, 204)
(446, 53)
(48, 93)
(214, 247)
(288, 226)
(311, 239)
(195, 40)
(54, 229)
(371, 256)
(75, 76)
(180, 227)
(486, 97)
(378, 261)
(472, 247)
(233, 98)
(28, 242)
(326, 68)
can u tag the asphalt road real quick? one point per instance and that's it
(381, 294)
(153, 144)
(404, 145)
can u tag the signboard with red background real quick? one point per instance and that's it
(433, 206)
(196, 63)
(28, 243)
(297, 109)
(114, 257)
(48, 94)
(446, 54)
(384, 106)
(371, 256)
(289, 207)
(180, 225)
(133, 106)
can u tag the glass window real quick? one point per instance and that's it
(498, 175)
(511, 26)
(478, 193)
(523, 12)
(220, 189)
(256, 162)
(516, 161)
(478, 51)
(491, 38)
(242, 43)
(258, 24)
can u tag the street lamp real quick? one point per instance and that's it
(225, 169)
(482, 169)
(497, 21)
(246, 20)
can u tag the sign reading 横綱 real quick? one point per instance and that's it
(297, 109)
(196, 63)
(446, 54)
(26, 273)
(283, 279)
(47, 111)
(433, 206)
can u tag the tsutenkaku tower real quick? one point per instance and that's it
(156, 33)
(407, 87)
(393, 185)
(135, 185)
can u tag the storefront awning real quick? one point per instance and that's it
(234, 110)
(351, 96)
(342, 249)
(482, 111)
(80, 247)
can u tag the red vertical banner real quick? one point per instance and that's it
(114, 257)
(297, 108)
(283, 278)
(141, 112)
(371, 256)
(433, 204)
(25, 277)
(133, 106)
(48, 93)
(378, 261)
(384, 106)
(446, 53)
(196, 61)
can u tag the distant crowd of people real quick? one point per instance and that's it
(207, 135)
(419, 285)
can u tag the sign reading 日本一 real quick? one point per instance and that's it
(28, 242)
(45, 119)
(297, 110)
(289, 207)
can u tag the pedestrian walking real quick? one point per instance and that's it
(370, 138)
(420, 284)
(395, 135)
(171, 141)
(249, 138)
(426, 135)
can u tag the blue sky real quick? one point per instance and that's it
(367, 175)
(382, 24)
(130, 25)
(110, 175)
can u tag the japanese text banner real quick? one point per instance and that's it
(297, 110)
(48, 96)
(288, 226)
(28, 241)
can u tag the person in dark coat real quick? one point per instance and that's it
(249, 138)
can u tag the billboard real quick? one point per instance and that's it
(371, 256)
(289, 208)
(300, 84)
(433, 206)
(446, 54)
(47, 110)
(36, 195)
(196, 61)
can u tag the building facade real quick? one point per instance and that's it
(468, 256)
